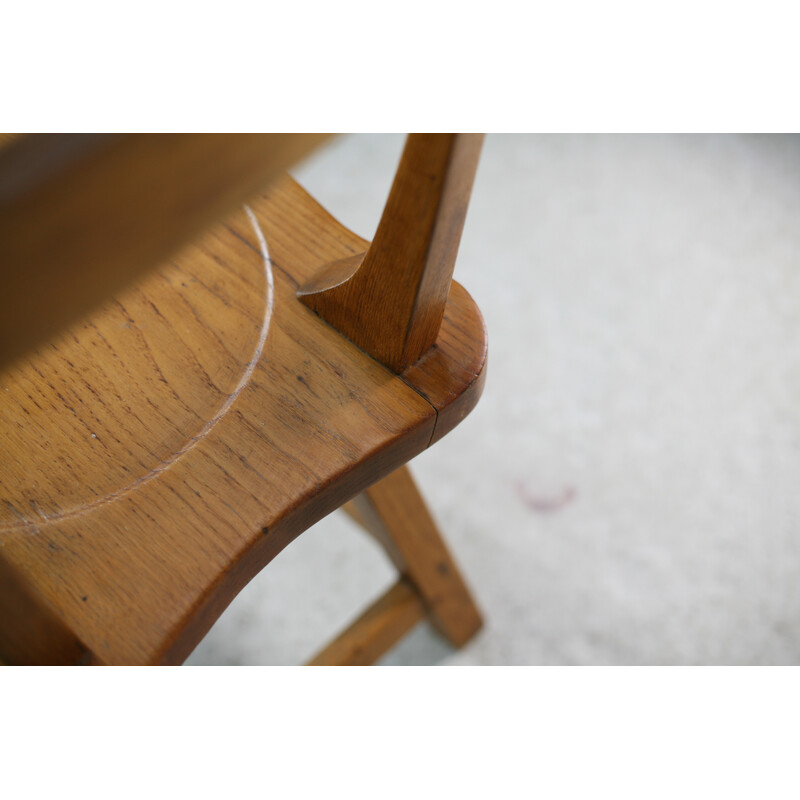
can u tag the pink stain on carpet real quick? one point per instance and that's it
(544, 503)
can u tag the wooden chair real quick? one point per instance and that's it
(161, 450)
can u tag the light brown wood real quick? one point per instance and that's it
(395, 513)
(82, 215)
(376, 631)
(390, 300)
(160, 452)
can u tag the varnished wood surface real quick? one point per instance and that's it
(374, 633)
(82, 215)
(156, 455)
(390, 300)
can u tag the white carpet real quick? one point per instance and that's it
(628, 489)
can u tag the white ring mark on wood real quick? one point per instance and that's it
(204, 431)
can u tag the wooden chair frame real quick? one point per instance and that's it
(417, 349)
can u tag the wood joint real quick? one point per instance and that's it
(390, 300)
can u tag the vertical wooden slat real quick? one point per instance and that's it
(390, 301)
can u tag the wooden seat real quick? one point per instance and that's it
(161, 450)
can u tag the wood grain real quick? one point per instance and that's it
(82, 215)
(390, 300)
(160, 452)
(380, 627)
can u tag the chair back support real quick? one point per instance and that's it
(390, 300)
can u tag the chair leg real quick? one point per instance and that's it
(394, 512)
(377, 630)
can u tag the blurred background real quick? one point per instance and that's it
(628, 489)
